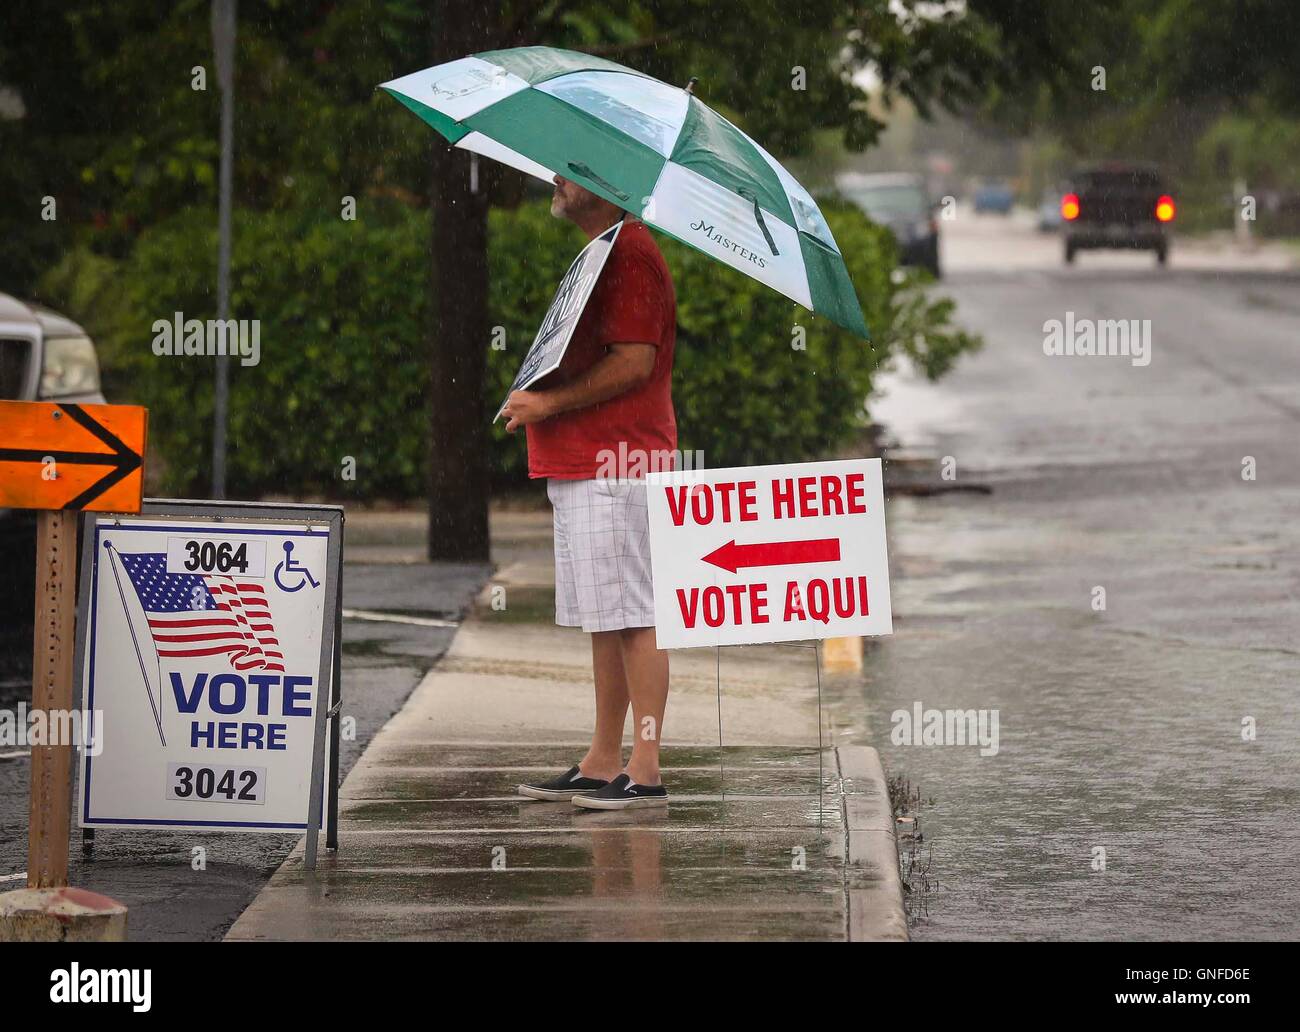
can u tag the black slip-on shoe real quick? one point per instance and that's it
(623, 794)
(563, 788)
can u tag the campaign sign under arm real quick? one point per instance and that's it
(769, 553)
(553, 336)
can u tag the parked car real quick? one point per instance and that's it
(994, 196)
(898, 201)
(1117, 205)
(1049, 211)
(44, 356)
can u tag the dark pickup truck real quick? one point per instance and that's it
(1117, 206)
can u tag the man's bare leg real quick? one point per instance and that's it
(646, 668)
(604, 759)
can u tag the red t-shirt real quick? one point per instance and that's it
(633, 303)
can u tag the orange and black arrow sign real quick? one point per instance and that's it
(66, 456)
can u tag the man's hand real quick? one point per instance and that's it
(524, 408)
(623, 367)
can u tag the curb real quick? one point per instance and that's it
(871, 879)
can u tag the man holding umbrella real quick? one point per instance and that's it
(612, 395)
(622, 141)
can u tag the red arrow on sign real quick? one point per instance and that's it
(732, 556)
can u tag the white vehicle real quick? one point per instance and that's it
(45, 356)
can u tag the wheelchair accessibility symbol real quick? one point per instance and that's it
(291, 566)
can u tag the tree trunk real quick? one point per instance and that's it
(459, 333)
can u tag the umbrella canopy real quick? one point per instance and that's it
(652, 149)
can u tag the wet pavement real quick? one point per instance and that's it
(151, 872)
(467, 858)
(784, 833)
(1120, 730)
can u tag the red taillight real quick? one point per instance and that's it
(1165, 208)
(1070, 207)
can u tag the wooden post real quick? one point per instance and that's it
(56, 607)
(61, 458)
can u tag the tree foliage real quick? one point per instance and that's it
(108, 121)
(342, 370)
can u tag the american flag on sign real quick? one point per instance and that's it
(193, 615)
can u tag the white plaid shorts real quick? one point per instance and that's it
(602, 554)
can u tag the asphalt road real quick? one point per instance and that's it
(1120, 730)
(151, 872)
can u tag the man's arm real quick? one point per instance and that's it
(623, 368)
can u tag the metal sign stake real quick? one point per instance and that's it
(821, 748)
(336, 704)
(722, 767)
(333, 603)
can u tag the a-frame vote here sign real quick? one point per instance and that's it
(206, 660)
(553, 336)
(769, 553)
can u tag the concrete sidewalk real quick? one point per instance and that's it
(785, 841)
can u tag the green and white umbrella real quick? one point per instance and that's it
(652, 149)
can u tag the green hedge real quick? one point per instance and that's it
(343, 311)
(341, 306)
